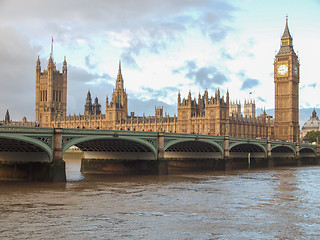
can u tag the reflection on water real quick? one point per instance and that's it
(263, 204)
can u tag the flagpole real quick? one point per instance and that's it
(51, 54)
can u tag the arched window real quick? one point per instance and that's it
(184, 115)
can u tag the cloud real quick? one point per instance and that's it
(89, 64)
(17, 68)
(261, 99)
(80, 75)
(145, 26)
(249, 83)
(312, 85)
(226, 55)
(80, 82)
(148, 25)
(159, 94)
(206, 77)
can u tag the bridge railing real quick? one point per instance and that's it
(248, 140)
(13, 129)
(107, 131)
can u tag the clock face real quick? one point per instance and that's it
(296, 70)
(282, 69)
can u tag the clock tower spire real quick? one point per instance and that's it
(286, 81)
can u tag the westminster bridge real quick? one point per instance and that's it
(35, 153)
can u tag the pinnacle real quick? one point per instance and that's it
(286, 33)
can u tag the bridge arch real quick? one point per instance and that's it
(191, 148)
(242, 149)
(283, 151)
(22, 148)
(307, 152)
(110, 144)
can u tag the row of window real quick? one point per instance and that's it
(56, 96)
(223, 114)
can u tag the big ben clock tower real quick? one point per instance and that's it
(286, 81)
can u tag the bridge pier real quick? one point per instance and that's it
(227, 159)
(269, 155)
(162, 164)
(27, 162)
(298, 158)
(58, 166)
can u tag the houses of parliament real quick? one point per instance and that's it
(215, 115)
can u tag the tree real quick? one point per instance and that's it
(313, 136)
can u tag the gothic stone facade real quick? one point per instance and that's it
(286, 81)
(214, 115)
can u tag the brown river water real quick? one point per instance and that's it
(279, 203)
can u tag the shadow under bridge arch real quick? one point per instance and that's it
(193, 149)
(24, 149)
(282, 151)
(241, 150)
(113, 148)
(307, 152)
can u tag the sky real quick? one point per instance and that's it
(165, 47)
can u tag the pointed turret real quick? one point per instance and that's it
(314, 114)
(286, 33)
(7, 117)
(206, 96)
(38, 63)
(286, 42)
(88, 96)
(64, 67)
(189, 97)
(119, 81)
(96, 107)
(227, 97)
(88, 105)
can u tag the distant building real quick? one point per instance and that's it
(205, 115)
(8, 122)
(313, 124)
(7, 117)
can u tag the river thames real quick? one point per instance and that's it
(281, 203)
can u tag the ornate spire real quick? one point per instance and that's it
(314, 113)
(89, 95)
(7, 117)
(286, 33)
(119, 81)
(51, 53)
(38, 61)
(38, 68)
(64, 67)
